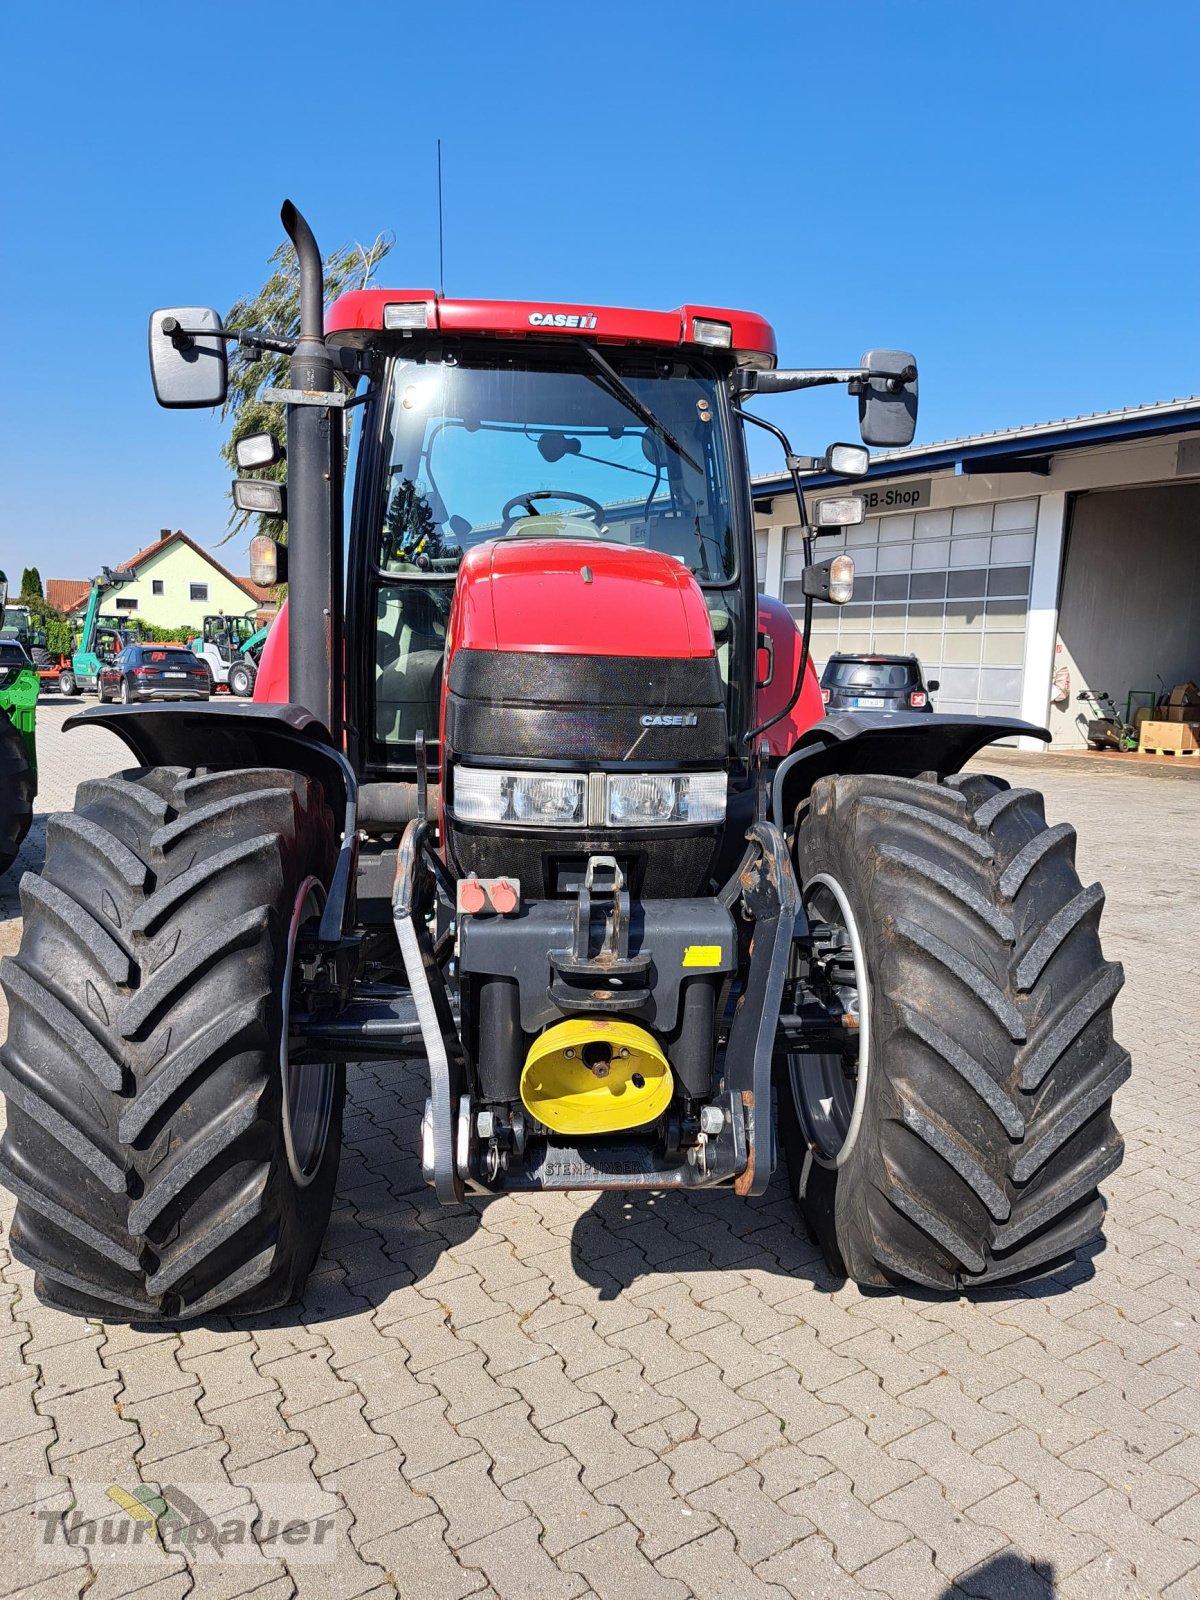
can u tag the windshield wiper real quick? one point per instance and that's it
(621, 390)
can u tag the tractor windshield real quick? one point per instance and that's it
(485, 449)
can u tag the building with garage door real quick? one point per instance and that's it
(1021, 566)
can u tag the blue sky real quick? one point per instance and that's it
(1011, 191)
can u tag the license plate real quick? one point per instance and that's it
(174, 674)
(863, 702)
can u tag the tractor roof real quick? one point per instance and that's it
(354, 316)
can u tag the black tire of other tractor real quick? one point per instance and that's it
(241, 681)
(17, 789)
(987, 1123)
(145, 1140)
(41, 657)
(67, 686)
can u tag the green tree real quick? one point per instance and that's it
(31, 584)
(275, 309)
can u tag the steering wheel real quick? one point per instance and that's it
(507, 519)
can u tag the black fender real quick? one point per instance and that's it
(226, 736)
(903, 743)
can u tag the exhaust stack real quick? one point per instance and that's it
(315, 452)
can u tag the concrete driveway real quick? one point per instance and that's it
(653, 1396)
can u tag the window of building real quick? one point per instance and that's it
(156, 586)
(198, 591)
(126, 605)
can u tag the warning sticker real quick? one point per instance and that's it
(702, 955)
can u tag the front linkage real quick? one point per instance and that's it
(468, 1145)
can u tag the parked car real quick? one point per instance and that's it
(153, 672)
(875, 683)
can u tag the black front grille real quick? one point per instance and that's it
(537, 677)
(531, 705)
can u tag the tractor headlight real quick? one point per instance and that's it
(646, 799)
(573, 800)
(537, 799)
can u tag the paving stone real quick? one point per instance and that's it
(518, 1567)
(417, 1561)
(568, 1513)
(1108, 1577)
(467, 1497)
(615, 1567)
(1158, 1556)
(1058, 1483)
(91, 1417)
(549, 1392)
(1059, 1428)
(963, 1476)
(809, 1571)
(886, 1418)
(664, 1518)
(255, 1431)
(801, 1413)
(908, 1571)
(695, 1462)
(633, 1402)
(1047, 1541)
(340, 1435)
(1105, 1407)
(513, 1443)
(426, 1439)
(465, 1384)
(958, 1540)
(716, 1405)
(858, 1533)
(18, 1416)
(762, 1526)
(659, 1355)
(872, 1470)
(386, 1384)
(603, 1452)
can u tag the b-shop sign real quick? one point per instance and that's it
(910, 494)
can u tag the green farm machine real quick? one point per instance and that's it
(19, 684)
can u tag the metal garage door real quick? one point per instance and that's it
(951, 587)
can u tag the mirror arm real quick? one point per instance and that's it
(793, 465)
(184, 338)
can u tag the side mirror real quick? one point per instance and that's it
(188, 360)
(933, 685)
(887, 398)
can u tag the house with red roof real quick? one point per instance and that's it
(173, 583)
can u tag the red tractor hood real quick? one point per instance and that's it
(578, 597)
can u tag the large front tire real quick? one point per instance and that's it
(970, 1134)
(145, 1068)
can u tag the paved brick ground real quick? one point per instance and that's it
(659, 1396)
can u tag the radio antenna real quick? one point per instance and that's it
(441, 244)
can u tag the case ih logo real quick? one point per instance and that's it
(562, 319)
(670, 719)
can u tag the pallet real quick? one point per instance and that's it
(1169, 738)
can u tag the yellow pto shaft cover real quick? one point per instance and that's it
(589, 1075)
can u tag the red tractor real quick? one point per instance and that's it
(548, 804)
